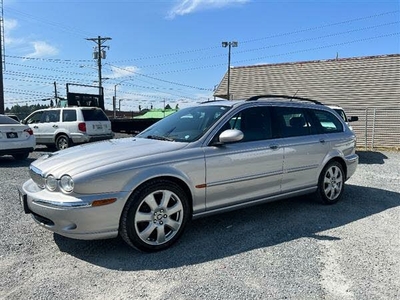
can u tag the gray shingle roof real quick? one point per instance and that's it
(371, 81)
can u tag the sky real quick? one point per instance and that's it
(170, 51)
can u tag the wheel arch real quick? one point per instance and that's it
(341, 161)
(337, 156)
(61, 133)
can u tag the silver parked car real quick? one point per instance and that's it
(201, 160)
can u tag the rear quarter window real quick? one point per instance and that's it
(94, 115)
(328, 122)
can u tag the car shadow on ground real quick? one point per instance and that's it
(228, 234)
(10, 162)
(371, 157)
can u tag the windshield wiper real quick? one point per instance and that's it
(160, 138)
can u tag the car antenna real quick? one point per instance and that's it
(294, 95)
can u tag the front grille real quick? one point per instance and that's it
(37, 176)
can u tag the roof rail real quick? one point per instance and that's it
(255, 98)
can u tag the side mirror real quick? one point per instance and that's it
(352, 119)
(230, 136)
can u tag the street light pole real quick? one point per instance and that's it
(229, 45)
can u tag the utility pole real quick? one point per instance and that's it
(1, 62)
(55, 93)
(99, 54)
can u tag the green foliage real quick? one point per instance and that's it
(24, 111)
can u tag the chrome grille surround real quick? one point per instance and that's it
(37, 176)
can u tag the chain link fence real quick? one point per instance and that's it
(376, 127)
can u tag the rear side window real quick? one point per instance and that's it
(94, 115)
(293, 121)
(329, 122)
(69, 115)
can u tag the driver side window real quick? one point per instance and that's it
(254, 122)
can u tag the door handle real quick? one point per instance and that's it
(322, 141)
(55, 126)
(36, 127)
(274, 147)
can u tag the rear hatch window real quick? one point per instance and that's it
(97, 122)
(94, 115)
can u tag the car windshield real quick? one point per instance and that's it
(186, 125)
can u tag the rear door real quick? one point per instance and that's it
(304, 147)
(97, 122)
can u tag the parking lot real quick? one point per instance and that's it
(292, 249)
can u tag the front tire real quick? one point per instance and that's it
(155, 216)
(331, 183)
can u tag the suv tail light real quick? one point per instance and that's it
(82, 127)
(29, 130)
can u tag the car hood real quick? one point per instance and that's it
(91, 156)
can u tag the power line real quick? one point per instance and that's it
(262, 38)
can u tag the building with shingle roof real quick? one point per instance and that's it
(362, 85)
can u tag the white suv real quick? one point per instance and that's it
(63, 127)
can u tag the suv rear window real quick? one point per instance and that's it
(94, 115)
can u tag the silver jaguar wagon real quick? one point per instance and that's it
(201, 160)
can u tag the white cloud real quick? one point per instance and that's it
(42, 49)
(9, 26)
(185, 7)
(126, 71)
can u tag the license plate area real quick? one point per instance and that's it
(12, 135)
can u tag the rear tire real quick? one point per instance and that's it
(331, 183)
(62, 142)
(155, 216)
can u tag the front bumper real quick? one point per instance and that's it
(73, 216)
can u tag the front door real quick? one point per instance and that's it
(247, 170)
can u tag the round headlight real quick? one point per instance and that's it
(51, 183)
(66, 183)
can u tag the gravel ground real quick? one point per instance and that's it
(292, 249)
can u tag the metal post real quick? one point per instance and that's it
(366, 128)
(114, 101)
(373, 128)
(229, 71)
(229, 45)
